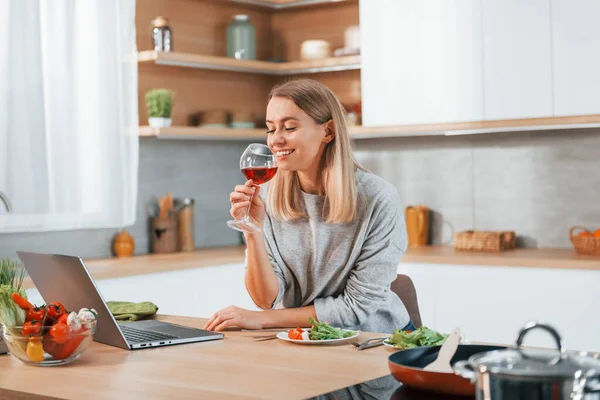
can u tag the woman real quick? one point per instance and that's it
(332, 233)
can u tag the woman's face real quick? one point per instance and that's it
(294, 137)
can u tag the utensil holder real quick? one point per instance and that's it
(164, 234)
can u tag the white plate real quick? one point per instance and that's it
(284, 336)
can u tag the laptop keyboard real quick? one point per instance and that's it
(134, 335)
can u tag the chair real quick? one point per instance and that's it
(405, 289)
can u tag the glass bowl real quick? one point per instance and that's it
(45, 350)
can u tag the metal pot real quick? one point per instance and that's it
(535, 374)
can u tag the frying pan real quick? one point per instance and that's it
(407, 367)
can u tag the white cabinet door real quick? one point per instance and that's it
(491, 304)
(421, 61)
(450, 61)
(576, 56)
(390, 76)
(517, 59)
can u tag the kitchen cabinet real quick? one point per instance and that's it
(491, 304)
(196, 292)
(575, 56)
(421, 62)
(517, 60)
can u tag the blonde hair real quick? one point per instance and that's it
(284, 200)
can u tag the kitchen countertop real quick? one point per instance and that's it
(235, 367)
(106, 268)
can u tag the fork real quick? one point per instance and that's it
(367, 344)
(263, 338)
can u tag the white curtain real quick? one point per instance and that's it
(68, 114)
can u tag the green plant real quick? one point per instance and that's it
(11, 273)
(159, 103)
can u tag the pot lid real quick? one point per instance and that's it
(537, 363)
(542, 363)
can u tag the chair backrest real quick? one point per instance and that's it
(405, 289)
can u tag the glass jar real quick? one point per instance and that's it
(161, 35)
(241, 38)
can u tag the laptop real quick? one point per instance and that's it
(66, 279)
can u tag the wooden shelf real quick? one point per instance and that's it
(281, 4)
(250, 66)
(478, 127)
(193, 132)
(361, 132)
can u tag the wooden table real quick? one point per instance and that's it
(236, 367)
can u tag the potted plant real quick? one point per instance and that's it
(159, 103)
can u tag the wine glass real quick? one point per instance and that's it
(259, 164)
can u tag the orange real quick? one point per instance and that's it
(585, 234)
(597, 233)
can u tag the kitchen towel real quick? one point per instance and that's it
(129, 311)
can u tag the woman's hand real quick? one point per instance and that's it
(234, 316)
(240, 199)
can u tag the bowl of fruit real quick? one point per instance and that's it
(585, 241)
(49, 335)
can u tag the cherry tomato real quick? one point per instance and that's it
(35, 314)
(62, 319)
(55, 310)
(295, 334)
(61, 333)
(32, 328)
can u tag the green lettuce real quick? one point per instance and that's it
(10, 313)
(324, 331)
(417, 338)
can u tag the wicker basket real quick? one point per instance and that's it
(584, 245)
(485, 241)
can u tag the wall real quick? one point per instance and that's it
(204, 170)
(538, 184)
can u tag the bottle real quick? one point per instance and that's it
(241, 38)
(161, 35)
(185, 216)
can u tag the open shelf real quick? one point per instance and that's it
(250, 66)
(194, 132)
(361, 132)
(281, 4)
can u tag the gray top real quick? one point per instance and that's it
(345, 270)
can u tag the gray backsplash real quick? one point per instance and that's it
(538, 184)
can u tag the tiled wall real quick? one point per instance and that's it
(538, 184)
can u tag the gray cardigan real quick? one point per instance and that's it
(345, 270)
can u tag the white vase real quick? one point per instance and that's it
(159, 122)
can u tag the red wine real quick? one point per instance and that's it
(259, 175)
